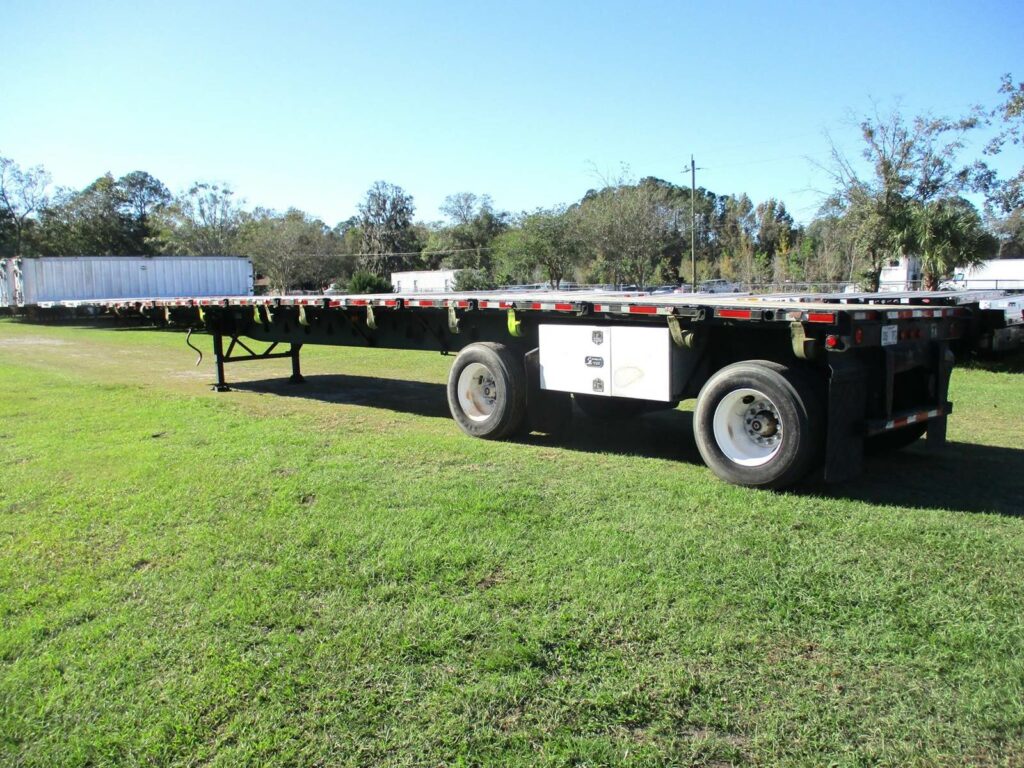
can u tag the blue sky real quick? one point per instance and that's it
(306, 104)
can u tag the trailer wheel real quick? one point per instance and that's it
(487, 390)
(895, 440)
(758, 424)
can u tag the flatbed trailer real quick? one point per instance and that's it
(785, 388)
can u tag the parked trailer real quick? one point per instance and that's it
(782, 388)
(50, 281)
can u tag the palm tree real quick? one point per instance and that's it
(946, 234)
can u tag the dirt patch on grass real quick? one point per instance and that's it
(34, 341)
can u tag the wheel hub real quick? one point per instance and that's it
(478, 391)
(762, 423)
(748, 428)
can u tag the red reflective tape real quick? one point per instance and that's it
(390, 303)
(635, 309)
(357, 302)
(536, 305)
(424, 303)
(462, 304)
(334, 303)
(821, 317)
(737, 314)
(564, 307)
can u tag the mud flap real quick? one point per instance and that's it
(936, 431)
(847, 403)
(546, 411)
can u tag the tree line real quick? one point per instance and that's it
(905, 193)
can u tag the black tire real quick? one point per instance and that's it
(894, 440)
(503, 410)
(798, 428)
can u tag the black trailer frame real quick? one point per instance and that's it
(877, 368)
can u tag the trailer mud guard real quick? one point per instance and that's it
(847, 400)
(936, 430)
(547, 411)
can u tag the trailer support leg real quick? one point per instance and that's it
(218, 354)
(296, 377)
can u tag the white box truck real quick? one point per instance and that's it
(994, 274)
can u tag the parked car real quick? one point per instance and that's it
(663, 289)
(719, 286)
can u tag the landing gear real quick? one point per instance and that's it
(222, 358)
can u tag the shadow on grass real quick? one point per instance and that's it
(1008, 363)
(963, 476)
(415, 397)
(665, 434)
(960, 476)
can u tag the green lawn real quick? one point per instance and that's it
(334, 575)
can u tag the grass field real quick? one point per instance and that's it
(333, 574)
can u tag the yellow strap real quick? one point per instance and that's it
(515, 325)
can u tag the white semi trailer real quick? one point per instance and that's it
(51, 281)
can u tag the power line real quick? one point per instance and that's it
(419, 253)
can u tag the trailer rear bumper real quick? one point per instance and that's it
(906, 418)
(854, 415)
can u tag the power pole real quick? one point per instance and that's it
(693, 225)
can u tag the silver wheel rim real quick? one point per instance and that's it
(748, 428)
(478, 392)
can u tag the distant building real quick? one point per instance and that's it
(424, 281)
